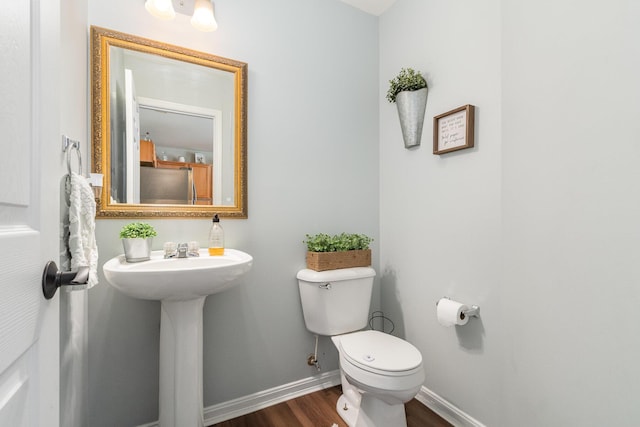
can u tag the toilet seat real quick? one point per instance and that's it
(380, 353)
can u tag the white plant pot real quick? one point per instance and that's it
(411, 107)
(137, 250)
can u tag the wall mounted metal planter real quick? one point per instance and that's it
(411, 108)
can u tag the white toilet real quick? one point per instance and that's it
(379, 372)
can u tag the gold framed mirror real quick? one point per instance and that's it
(169, 129)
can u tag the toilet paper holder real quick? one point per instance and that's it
(473, 311)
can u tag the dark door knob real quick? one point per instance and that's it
(52, 278)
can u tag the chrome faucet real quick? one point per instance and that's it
(182, 250)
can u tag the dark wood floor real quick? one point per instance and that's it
(319, 410)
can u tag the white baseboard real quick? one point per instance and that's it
(262, 399)
(247, 404)
(446, 410)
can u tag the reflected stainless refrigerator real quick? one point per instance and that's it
(167, 186)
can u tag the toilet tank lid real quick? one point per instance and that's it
(335, 275)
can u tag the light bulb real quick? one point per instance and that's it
(161, 9)
(203, 18)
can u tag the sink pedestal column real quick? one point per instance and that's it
(181, 363)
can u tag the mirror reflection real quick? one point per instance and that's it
(172, 140)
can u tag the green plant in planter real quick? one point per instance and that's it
(341, 242)
(407, 79)
(137, 230)
(136, 241)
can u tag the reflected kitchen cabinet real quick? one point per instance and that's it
(203, 181)
(202, 178)
(147, 153)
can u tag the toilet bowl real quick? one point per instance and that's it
(378, 372)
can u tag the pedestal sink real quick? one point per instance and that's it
(181, 284)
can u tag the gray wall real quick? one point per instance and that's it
(441, 215)
(571, 206)
(537, 224)
(313, 167)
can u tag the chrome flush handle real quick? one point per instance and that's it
(326, 286)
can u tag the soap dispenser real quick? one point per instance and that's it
(216, 237)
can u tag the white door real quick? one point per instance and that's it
(29, 212)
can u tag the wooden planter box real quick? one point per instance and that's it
(321, 261)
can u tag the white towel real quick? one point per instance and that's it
(82, 227)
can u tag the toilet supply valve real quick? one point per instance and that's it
(312, 360)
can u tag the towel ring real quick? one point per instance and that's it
(69, 145)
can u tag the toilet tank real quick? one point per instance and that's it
(336, 301)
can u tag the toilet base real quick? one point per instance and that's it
(375, 412)
(372, 412)
(347, 411)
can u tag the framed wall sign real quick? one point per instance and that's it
(453, 130)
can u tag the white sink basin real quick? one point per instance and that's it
(182, 285)
(177, 279)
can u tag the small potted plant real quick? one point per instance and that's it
(136, 240)
(408, 90)
(325, 252)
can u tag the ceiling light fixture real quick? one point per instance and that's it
(201, 11)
